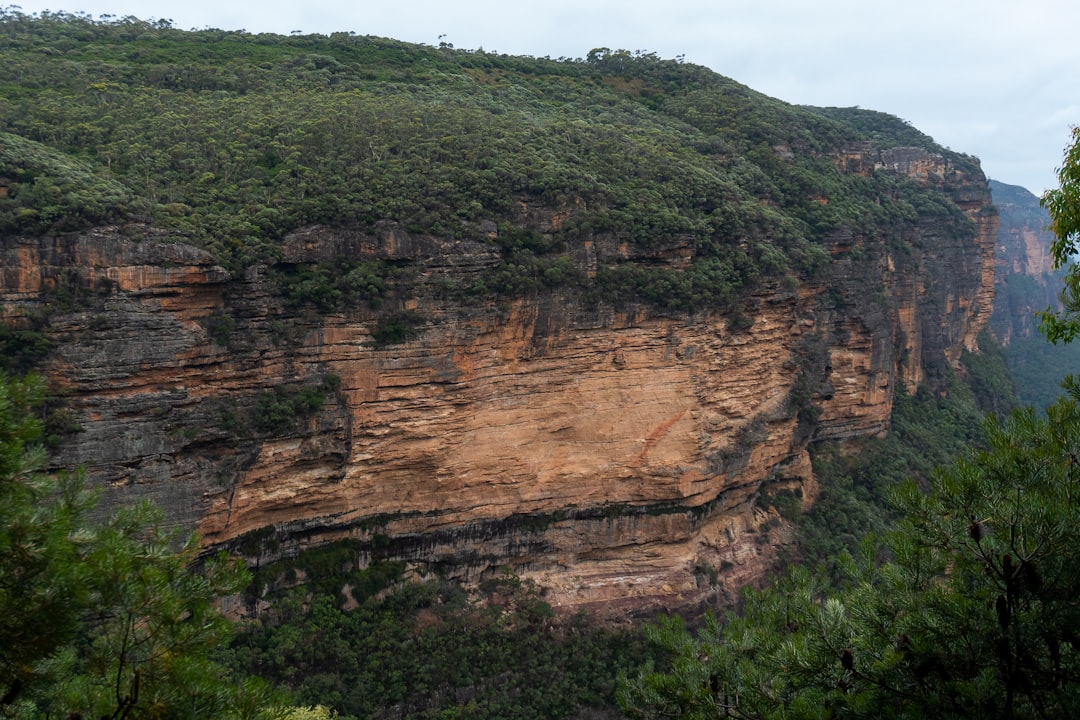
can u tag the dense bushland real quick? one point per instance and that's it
(233, 140)
(427, 650)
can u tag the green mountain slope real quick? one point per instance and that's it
(233, 140)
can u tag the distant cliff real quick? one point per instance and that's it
(1026, 279)
(471, 311)
(1026, 284)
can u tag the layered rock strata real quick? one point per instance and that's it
(616, 456)
(1026, 279)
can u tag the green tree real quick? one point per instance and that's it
(151, 628)
(968, 609)
(41, 578)
(116, 620)
(1063, 204)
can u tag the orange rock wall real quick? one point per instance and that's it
(610, 454)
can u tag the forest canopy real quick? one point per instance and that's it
(233, 140)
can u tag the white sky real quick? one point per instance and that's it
(998, 79)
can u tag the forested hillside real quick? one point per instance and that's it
(233, 140)
(470, 358)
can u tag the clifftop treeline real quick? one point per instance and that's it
(233, 140)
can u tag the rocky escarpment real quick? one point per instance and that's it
(1026, 279)
(616, 455)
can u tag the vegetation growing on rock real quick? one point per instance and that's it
(620, 179)
(234, 140)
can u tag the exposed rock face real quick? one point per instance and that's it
(1026, 279)
(613, 455)
(948, 287)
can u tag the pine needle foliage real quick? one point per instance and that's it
(113, 620)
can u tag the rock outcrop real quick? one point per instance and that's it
(1026, 279)
(615, 455)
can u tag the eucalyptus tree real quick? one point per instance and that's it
(1063, 204)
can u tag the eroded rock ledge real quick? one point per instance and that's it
(615, 456)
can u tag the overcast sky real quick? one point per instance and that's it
(998, 79)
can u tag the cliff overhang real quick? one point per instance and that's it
(615, 454)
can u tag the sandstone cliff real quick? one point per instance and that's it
(1026, 279)
(614, 454)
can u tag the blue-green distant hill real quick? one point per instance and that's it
(1027, 283)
